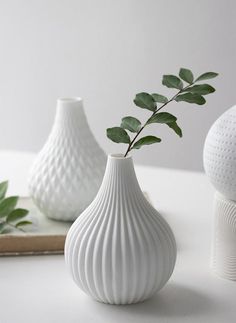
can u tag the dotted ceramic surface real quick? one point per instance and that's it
(220, 154)
(120, 250)
(68, 171)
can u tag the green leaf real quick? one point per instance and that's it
(186, 75)
(118, 135)
(176, 128)
(191, 98)
(130, 123)
(202, 89)
(162, 117)
(2, 226)
(6, 230)
(17, 214)
(159, 98)
(3, 189)
(145, 101)
(172, 81)
(21, 223)
(7, 205)
(148, 140)
(206, 76)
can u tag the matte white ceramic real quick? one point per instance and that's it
(220, 165)
(220, 154)
(120, 250)
(224, 243)
(68, 171)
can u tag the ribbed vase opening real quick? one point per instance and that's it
(120, 173)
(119, 156)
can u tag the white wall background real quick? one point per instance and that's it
(106, 51)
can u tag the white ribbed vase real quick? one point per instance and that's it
(224, 243)
(120, 250)
(68, 171)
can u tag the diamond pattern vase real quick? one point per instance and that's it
(120, 250)
(68, 171)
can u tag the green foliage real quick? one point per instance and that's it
(148, 140)
(145, 101)
(190, 92)
(21, 223)
(191, 98)
(202, 89)
(2, 226)
(172, 81)
(3, 189)
(130, 123)
(206, 76)
(168, 119)
(162, 117)
(118, 135)
(174, 126)
(17, 214)
(186, 75)
(9, 215)
(7, 205)
(159, 98)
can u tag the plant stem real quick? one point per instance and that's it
(13, 226)
(161, 107)
(131, 143)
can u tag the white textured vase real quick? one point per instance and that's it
(68, 171)
(224, 246)
(120, 250)
(220, 166)
(220, 154)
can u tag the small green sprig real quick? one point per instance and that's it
(9, 214)
(189, 92)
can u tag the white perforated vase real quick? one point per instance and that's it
(68, 171)
(120, 250)
(220, 154)
(220, 166)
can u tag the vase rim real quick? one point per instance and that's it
(119, 156)
(70, 99)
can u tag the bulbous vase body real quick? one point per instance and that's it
(68, 171)
(220, 154)
(120, 250)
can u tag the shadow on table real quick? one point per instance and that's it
(173, 301)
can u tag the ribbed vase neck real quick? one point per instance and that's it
(119, 173)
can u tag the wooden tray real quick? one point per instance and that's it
(44, 237)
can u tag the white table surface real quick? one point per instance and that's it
(39, 289)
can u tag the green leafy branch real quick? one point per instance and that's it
(10, 216)
(189, 92)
